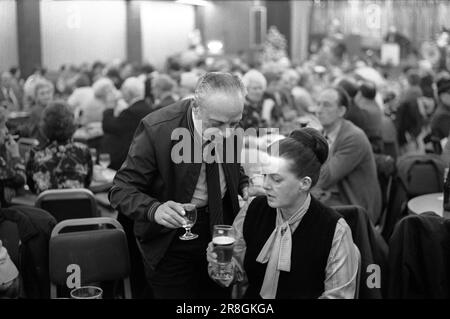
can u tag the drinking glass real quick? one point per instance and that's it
(190, 218)
(104, 160)
(87, 292)
(223, 243)
(93, 152)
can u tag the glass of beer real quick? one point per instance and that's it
(223, 242)
(190, 218)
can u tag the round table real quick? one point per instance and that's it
(426, 203)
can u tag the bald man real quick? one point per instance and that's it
(152, 185)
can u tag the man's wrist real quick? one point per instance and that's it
(152, 210)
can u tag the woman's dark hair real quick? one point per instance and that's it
(307, 149)
(343, 98)
(368, 90)
(350, 86)
(58, 122)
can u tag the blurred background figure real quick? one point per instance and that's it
(365, 99)
(163, 89)
(82, 93)
(105, 96)
(43, 95)
(119, 126)
(258, 105)
(9, 97)
(12, 168)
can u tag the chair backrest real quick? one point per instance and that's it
(68, 203)
(421, 174)
(9, 235)
(101, 254)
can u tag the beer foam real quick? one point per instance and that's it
(223, 240)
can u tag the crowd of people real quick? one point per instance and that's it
(357, 112)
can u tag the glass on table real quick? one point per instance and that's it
(104, 160)
(190, 219)
(87, 292)
(93, 153)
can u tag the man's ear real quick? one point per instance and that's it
(342, 111)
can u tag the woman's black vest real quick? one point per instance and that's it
(311, 244)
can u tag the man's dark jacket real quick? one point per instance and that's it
(149, 177)
(119, 131)
(419, 258)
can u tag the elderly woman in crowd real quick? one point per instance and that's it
(12, 168)
(259, 105)
(43, 95)
(61, 163)
(105, 96)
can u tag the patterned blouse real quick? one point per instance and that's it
(12, 173)
(58, 166)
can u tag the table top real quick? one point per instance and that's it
(100, 185)
(426, 203)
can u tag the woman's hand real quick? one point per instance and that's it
(9, 194)
(12, 148)
(211, 256)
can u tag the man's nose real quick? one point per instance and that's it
(266, 184)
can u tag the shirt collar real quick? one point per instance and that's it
(198, 134)
(332, 135)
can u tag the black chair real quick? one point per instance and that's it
(68, 203)
(101, 254)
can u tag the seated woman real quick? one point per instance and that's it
(61, 163)
(289, 245)
(12, 168)
(259, 105)
(43, 95)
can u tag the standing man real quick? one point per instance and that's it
(151, 186)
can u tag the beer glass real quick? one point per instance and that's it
(104, 160)
(223, 243)
(190, 218)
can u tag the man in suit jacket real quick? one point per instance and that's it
(119, 128)
(153, 183)
(349, 177)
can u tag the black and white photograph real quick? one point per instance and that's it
(225, 156)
